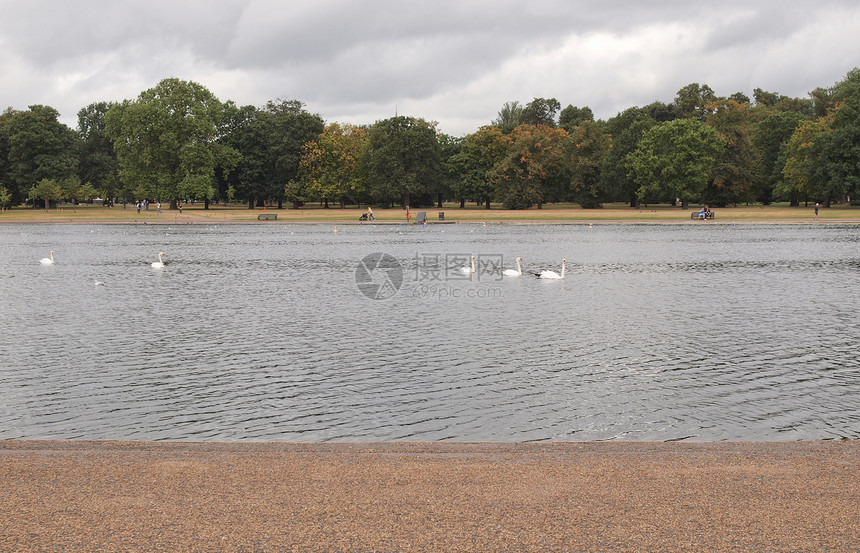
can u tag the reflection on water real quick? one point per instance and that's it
(259, 332)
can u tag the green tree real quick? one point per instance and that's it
(740, 98)
(449, 146)
(166, 141)
(87, 192)
(587, 147)
(572, 116)
(47, 190)
(660, 112)
(509, 117)
(71, 187)
(799, 161)
(289, 128)
(97, 162)
(625, 130)
(37, 146)
(675, 159)
(734, 175)
(540, 111)
(479, 153)
(249, 131)
(835, 168)
(771, 138)
(693, 101)
(5, 198)
(402, 160)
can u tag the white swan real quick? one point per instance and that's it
(469, 270)
(512, 272)
(160, 263)
(47, 261)
(552, 274)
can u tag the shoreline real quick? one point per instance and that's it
(97, 215)
(440, 496)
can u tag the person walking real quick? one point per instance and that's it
(816, 210)
(370, 216)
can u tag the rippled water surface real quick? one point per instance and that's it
(260, 332)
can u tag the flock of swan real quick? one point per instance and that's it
(155, 264)
(547, 274)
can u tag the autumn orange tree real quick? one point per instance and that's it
(327, 169)
(533, 168)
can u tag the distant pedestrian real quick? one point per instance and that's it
(816, 210)
(138, 207)
(158, 207)
(370, 216)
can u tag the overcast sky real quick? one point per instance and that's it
(456, 62)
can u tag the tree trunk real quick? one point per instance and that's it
(205, 204)
(462, 203)
(487, 203)
(251, 203)
(439, 201)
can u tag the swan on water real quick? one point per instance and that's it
(160, 263)
(514, 272)
(469, 270)
(552, 274)
(47, 260)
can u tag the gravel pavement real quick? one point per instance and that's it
(83, 496)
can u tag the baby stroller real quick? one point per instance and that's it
(363, 217)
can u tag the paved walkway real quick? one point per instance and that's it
(76, 496)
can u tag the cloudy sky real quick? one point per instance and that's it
(452, 61)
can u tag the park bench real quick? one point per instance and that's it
(698, 215)
(262, 216)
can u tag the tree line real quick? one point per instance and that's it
(178, 141)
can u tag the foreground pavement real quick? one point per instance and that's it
(73, 496)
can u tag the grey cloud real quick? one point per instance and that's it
(456, 60)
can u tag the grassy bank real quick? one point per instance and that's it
(559, 213)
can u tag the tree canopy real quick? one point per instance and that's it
(177, 140)
(166, 141)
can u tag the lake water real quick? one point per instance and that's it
(267, 332)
